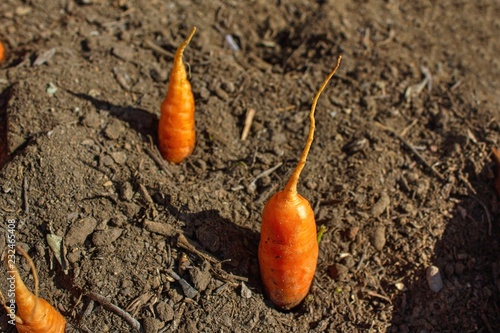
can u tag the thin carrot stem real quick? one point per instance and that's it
(291, 185)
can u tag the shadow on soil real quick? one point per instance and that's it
(468, 257)
(233, 245)
(142, 121)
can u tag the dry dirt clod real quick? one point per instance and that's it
(338, 272)
(201, 277)
(106, 237)
(378, 238)
(152, 325)
(126, 191)
(381, 205)
(79, 231)
(164, 311)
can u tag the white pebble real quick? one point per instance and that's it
(434, 279)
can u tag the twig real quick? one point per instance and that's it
(26, 203)
(158, 49)
(264, 173)
(413, 150)
(375, 294)
(155, 155)
(248, 124)
(407, 128)
(116, 310)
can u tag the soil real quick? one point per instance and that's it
(400, 171)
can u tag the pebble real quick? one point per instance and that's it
(114, 130)
(126, 191)
(245, 291)
(434, 279)
(106, 237)
(79, 231)
(119, 157)
(381, 205)
(378, 238)
(165, 312)
(123, 52)
(106, 160)
(91, 120)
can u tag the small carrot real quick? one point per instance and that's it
(176, 132)
(496, 158)
(34, 314)
(288, 248)
(2, 52)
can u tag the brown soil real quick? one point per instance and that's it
(400, 171)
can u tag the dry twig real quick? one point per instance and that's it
(116, 310)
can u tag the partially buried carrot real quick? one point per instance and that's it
(288, 249)
(34, 314)
(176, 132)
(2, 52)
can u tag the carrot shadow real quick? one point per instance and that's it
(233, 245)
(468, 257)
(141, 120)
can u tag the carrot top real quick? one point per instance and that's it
(291, 185)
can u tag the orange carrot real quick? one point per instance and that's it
(288, 248)
(2, 52)
(34, 314)
(496, 158)
(176, 133)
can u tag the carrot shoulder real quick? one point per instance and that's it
(2, 52)
(176, 129)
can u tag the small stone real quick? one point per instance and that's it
(79, 231)
(378, 238)
(245, 291)
(106, 237)
(165, 312)
(91, 120)
(126, 191)
(114, 130)
(119, 157)
(51, 88)
(381, 205)
(123, 52)
(23, 10)
(434, 279)
(106, 160)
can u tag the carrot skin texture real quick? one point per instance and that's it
(288, 248)
(176, 129)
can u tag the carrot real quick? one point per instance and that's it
(496, 158)
(2, 52)
(34, 314)
(176, 133)
(288, 248)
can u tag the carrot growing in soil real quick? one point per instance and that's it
(288, 248)
(2, 52)
(34, 314)
(176, 132)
